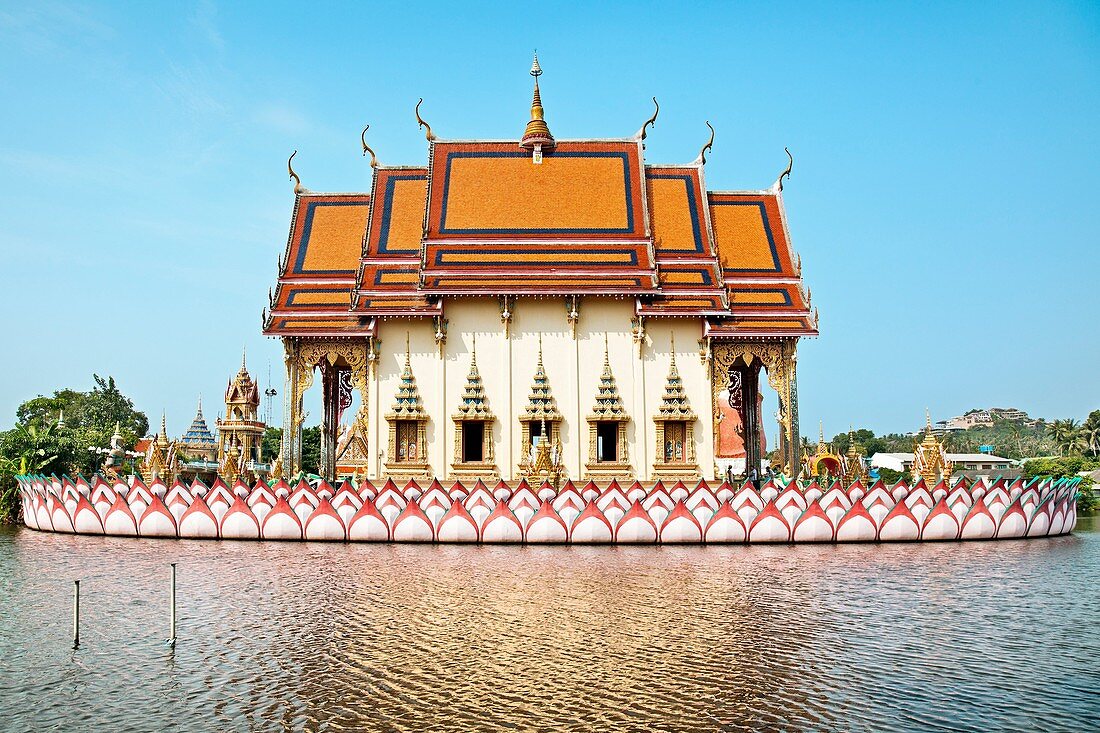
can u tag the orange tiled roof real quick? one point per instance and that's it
(576, 223)
(319, 266)
(690, 281)
(482, 218)
(763, 279)
(389, 272)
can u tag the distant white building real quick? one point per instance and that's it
(1008, 413)
(960, 461)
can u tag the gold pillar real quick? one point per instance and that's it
(778, 359)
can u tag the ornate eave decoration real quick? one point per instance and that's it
(474, 404)
(407, 404)
(609, 405)
(540, 403)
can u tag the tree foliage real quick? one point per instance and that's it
(38, 445)
(311, 449)
(270, 444)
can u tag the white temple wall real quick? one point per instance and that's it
(507, 367)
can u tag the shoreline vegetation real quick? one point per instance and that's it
(58, 435)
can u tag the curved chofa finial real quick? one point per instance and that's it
(786, 173)
(298, 187)
(428, 134)
(708, 146)
(367, 148)
(652, 120)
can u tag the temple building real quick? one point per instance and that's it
(241, 432)
(199, 449)
(540, 307)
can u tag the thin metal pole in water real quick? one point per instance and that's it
(172, 637)
(76, 614)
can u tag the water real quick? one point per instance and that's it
(309, 636)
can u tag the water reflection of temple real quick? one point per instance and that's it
(657, 307)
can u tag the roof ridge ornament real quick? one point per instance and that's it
(787, 172)
(536, 136)
(424, 125)
(298, 187)
(652, 121)
(708, 146)
(367, 148)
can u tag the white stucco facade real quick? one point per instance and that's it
(507, 365)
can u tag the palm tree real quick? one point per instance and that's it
(1090, 431)
(1067, 435)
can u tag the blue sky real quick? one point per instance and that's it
(944, 194)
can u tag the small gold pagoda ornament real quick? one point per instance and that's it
(854, 467)
(929, 457)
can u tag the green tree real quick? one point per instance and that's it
(311, 449)
(9, 489)
(1066, 435)
(271, 444)
(38, 445)
(1090, 433)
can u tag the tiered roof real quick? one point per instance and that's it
(609, 405)
(541, 405)
(539, 217)
(243, 388)
(198, 435)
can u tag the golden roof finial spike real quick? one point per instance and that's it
(428, 134)
(367, 148)
(540, 349)
(652, 121)
(927, 420)
(298, 187)
(672, 341)
(536, 136)
(407, 356)
(709, 145)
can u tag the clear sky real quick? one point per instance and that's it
(944, 196)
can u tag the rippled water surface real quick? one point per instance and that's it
(971, 636)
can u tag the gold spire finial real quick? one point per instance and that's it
(428, 128)
(473, 352)
(367, 148)
(537, 137)
(298, 187)
(927, 420)
(540, 349)
(709, 145)
(408, 363)
(672, 341)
